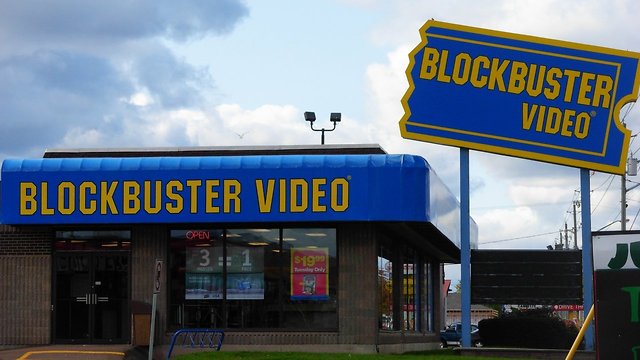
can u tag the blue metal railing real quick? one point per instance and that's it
(211, 338)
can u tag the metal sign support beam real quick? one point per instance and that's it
(587, 250)
(465, 248)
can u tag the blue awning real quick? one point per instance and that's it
(227, 189)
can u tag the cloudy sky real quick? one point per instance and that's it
(144, 73)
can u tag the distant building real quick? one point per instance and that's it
(478, 312)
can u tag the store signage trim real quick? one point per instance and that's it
(518, 95)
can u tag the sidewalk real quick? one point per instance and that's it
(72, 352)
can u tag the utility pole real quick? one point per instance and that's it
(632, 170)
(566, 236)
(575, 225)
(623, 203)
(561, 246)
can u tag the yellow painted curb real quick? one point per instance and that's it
(26, 355)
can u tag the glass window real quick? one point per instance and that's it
(385, 288)
(311, 277)
(86, 240)
(410, 290)
(196, 281)
(253, 278)
(253, 273)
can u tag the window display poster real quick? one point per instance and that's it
(245, 286)
(204, 259)
(203, 278)
(245, 273)
(204, 273)
(199, 286)
(309, 274)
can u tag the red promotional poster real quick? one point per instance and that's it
(310, 274)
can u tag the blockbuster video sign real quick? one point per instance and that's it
(518, 95)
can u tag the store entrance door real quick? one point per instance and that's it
(91, 297)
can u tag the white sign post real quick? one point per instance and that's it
(156, 291)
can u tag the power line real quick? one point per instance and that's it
(624, 117)
(518, 238)
(603, 195)
(601, 185)
(514, 206)
(634, 219)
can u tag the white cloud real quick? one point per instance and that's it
(552, 191)
(141, 99)
(386, 84)
(501, 224)
(82, 138)
(265, 125)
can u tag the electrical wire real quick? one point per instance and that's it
(601, 185)
(624, 117)
(634, 219)
(603, 195)
(518, 238)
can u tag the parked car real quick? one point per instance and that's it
(452, 335)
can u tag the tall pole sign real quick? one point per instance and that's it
(522, 96)
(616, 258)
(519, 95)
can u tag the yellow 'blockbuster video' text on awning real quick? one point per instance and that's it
(210, 196)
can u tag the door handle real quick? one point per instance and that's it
(92, 299)
(95, 299)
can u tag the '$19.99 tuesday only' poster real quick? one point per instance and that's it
(310, 274)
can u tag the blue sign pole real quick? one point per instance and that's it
(465, 248)
(587, 258)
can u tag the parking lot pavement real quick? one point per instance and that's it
(66, 352)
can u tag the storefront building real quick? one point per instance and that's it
(336, 248)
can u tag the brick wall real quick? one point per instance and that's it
(357, 284)
(25, 285)
(25, 240)
(149, 242)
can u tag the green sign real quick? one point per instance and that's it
(617, 290)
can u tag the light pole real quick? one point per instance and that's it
(335, 118)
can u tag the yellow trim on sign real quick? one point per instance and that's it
(509, 47)
(613, 110)
(530, 38)
(519, 153)
(88, 352)
(504, 138)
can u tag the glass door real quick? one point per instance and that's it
(111, 298)
(73, 289)
(92, 297)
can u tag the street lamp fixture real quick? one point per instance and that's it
(335, 118)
